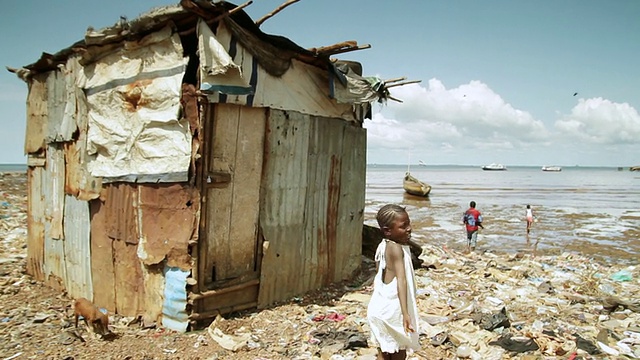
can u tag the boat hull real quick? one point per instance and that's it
(415, 187)
(494, 167)
(551, 168)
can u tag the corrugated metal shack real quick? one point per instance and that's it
(186, 164)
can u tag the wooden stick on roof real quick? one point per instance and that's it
(404, 83)
(395, 80)
(359, 47)
(277, 10)
(329, 49)
(394, 99)
(208, 20)
(237, 8)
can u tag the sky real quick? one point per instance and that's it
(512, 81)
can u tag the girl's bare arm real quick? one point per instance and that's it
(395, 261)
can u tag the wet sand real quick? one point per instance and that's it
(594, 212)
(552, 234)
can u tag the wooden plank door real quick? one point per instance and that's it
(230, 242)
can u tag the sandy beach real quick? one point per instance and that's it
(484, 305)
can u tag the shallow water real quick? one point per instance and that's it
(595, 211)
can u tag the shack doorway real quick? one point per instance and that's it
(230, 241)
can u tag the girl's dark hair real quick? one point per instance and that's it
(388, 213)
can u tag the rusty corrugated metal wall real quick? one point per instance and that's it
(312, 203)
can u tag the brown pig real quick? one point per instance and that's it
(92, 315)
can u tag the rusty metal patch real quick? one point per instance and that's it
(121, 212)
(168, 221)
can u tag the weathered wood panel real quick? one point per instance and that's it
(233, 202)
(350, 215)
(282, 213)
(36, 114)
(245, 206)
(79, 181)
(246, 295)
(36, 220)
(77, 248)
(54, 268)
(68, 123)
(102, 268)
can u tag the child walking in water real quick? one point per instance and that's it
(392, 312)
(529, 218)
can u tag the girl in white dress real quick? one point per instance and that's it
(392, 312)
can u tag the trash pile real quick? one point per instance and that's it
(489, 306)
(482, 305)
(13, 217)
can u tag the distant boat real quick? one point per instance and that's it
(634, 168)
(551, 168)
(414, 186)
(494, 167)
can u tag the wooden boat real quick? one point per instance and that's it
(414, 186)
(634, 168)
(551, 168)
(494, 167)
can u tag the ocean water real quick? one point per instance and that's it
(13, 168)
(591, 210)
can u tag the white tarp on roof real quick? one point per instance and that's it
(134, 100)
(218, 72)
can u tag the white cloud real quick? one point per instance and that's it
(601, 121)
(471, 124)
(471, 116)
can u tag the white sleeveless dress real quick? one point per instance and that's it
(384, 313)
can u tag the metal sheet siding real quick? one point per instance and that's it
(36, 219)
(282, 213)
(57, 98)
(174, 309)
(325, 146)
(313, 197)
(53, 190)
(351, 206)
(77, 248)
(102, 267)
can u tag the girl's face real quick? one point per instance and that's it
(400, 229)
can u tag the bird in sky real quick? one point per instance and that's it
(574, 94)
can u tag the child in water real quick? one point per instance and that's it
(529, 218)
(392, 312)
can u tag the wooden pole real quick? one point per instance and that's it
(341, 51)
(236, 9)
(394, 99)
(395, 80)
(277, 10)
(206, 294)
(195, 9)
(405, 83)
